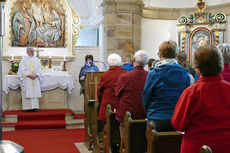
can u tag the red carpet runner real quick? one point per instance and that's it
(43, 119)
(47, 141)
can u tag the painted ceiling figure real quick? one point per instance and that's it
(23, 25)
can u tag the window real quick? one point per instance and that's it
(88, 37)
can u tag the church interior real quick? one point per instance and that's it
(66, 35)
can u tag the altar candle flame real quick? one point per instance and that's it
(64, 57)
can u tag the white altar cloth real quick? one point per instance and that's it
(51, 81)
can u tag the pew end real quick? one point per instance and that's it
(88, 122)
(205, 149)
(97, 130)
(162, 142)
(90, 96)
(111, 133)
(134, 140)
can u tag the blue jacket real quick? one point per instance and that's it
(163, 87)
(84, 69)
(127, 66)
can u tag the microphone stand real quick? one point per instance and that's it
(103, 64)
(6, 146)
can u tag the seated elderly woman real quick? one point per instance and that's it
(225, 49)
(164, 85)
(202, 111)
(108, 80)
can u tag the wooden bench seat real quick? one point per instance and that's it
(162, 142)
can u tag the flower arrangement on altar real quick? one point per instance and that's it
(44, 62)
(14, 68)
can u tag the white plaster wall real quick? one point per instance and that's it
(227, 32)
(154, 32)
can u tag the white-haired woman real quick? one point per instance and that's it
(129, 90)
(225, 49)
(108, 80)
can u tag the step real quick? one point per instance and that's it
(44, 124)
(75, 124)
(42, 120)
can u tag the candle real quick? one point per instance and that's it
(49, 55)
(64, 57)
(12, 57)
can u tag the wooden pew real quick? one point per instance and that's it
(134, 140)
(97, 130)
(111, 133)
(205, 149)
(91, 83)
(162, 142)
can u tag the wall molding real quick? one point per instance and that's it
(175, 13)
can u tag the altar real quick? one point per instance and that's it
(55, 89)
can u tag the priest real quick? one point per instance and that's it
(30, 78)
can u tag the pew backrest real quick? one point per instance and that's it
(91, 83)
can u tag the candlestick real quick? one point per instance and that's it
(64, 66)
(50, 63)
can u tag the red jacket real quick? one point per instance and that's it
(129, 90)
(105, 90)
(203, 113)
(226, 72)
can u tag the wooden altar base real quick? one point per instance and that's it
(43, 119)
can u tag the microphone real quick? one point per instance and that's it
(103, 64)
(91, 63)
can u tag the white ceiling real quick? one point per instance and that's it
(181, 3)
(88, 9)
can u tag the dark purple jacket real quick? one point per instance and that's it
(129, 90)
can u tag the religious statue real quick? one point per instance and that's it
(38, 25)
(49, 32)
(37, 9)
(128, 50)
(23, 25)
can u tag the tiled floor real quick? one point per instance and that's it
(81, 147)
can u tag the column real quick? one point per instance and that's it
(122, 22)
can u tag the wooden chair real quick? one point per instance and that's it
(91, 83)
(162, 142)
(111, 133)
(97, 130)
(134, 140)
(205, 149)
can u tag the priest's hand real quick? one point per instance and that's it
(32, 76)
